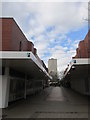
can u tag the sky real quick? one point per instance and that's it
(55, 28)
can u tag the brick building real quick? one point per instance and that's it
(22, 72)
(83, 50)
(13, 38)
(77, 74)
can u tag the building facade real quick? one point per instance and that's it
(52, 68)
(22, 72)
(83, 50)
(77, 74)
(13, 38)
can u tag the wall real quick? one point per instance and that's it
(78, 85)
(19, 41)
(52, 68)
(83, 50)
(6, 34)
(13, 38)
(0, 91)
(52, 65)
(0, 34)
(4, 91)
(30, 46)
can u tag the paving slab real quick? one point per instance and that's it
(52, 102)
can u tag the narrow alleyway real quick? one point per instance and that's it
(52, 102)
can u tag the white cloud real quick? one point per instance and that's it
(34, 18)
(65, 16)
(41, 43)
(45, 1)
(62, 56)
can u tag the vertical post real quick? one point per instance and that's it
(25, 92)
(0, 92)
(5, 88)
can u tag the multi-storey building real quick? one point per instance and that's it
(52, 68)
(21, 70)
(77, 73)
(83, 50)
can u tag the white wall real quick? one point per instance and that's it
(0, 91)
(4, 89)
(52, 65)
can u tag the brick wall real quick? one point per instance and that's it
(83, 50)
(19, 41)
(30, 46)
(0, 34)
(6, 34)
(13, 38)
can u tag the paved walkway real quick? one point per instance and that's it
(52, 102)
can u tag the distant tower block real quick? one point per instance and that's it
(52, 68)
